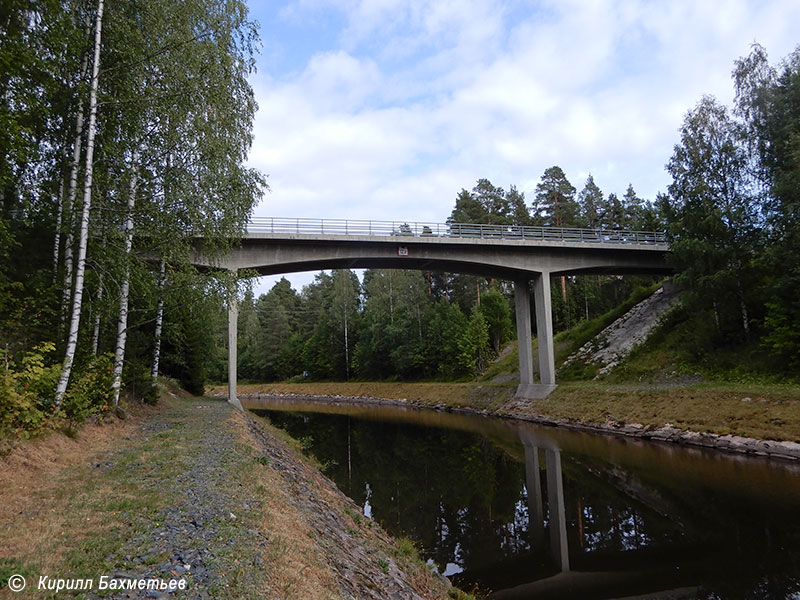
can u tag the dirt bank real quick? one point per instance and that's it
(761, 422)
(193, 490)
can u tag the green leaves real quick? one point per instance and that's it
(27, 391)
(713, 223)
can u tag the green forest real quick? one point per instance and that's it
(124, 134)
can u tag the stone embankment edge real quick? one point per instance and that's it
(784, 450)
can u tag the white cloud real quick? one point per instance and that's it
(414, 100)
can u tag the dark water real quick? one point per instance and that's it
(531, 512)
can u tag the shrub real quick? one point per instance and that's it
(139, 381)
(28, 392)
(90, 392)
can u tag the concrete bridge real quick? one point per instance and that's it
(520, 254)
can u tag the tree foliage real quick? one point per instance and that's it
(713, 217)
(555, 204)
(768, 103)
(173, 125)
(733, 208)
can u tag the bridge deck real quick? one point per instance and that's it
(265, 227)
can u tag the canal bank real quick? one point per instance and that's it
(758, 420)
(193, 490)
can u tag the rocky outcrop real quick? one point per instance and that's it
(610, 346)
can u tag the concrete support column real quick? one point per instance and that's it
(533, 485)
(522, 302)
(233, 330)
(558, 518)
(544, 330)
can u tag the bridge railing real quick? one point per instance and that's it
(450, 230)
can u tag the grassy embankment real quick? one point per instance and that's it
(190, 477)
(662, 382)
(749, 410)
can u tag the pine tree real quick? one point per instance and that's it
(555, 204)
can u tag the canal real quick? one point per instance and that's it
(525, 511)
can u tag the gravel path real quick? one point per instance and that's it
(192, 537)
(205, 534)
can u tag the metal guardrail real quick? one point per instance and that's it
(451, 230)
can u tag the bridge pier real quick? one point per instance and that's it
(233, 340)
(544, 328)
(522, 304)
(533, 485)
(559, 548)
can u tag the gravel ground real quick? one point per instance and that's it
(207, 533)
(192, 537)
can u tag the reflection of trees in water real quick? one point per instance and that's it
(448, 490)
(465, 501)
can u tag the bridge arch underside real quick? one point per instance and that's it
(522, 263)
(447, 266)
(512, 263)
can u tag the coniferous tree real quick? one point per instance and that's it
(635, 210)
(555, 204)
(592, 205)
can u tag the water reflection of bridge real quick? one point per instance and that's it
(553, 570)
(524, 255)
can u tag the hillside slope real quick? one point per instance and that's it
(608, 348)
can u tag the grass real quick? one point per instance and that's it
(98, 500)
(481, 396)
(507, 363)
(91, 506)
(749, 410)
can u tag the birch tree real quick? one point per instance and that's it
(66, 212)
(77, 297)
(713, 217)
(162, 280)
(122, 323)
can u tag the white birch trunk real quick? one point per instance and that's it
(346, 347)
(72, 193)
(122, 323)
(80, 267)
(159, 320)
(96, 329)
(743, 308)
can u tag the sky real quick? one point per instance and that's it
(386, 109)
